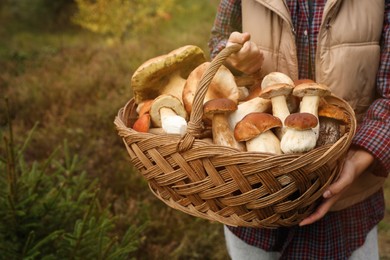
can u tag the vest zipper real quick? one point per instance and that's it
(325, 26)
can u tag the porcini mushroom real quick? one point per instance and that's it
(222, 85)
(168, 112)
(276, 78)
(218, 109)
(299, 136)
(277, 93)
(165, 74)
(144, 107)
(311, 94)
(331, 118)
(142, 124)
(255, 130)
(253, 105)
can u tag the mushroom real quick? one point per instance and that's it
(144, 107)
(256, 104)
(243, 93)
(331, 119)
(165, 74)
(142, 124)
(255, 130)
(222, 85)
(168, 112)
(311, 94)
(277, 93)
(299, 136)
(293, 101)
(275, 78)
(222, 134)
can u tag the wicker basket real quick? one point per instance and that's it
(223, 184)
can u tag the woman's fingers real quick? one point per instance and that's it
(249, 59)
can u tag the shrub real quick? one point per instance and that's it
(115, 18)
(50, 210)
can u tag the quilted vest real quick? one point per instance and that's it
(347, 57)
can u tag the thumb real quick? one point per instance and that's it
(240, 38)
(344, 180)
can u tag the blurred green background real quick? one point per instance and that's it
(67, 64)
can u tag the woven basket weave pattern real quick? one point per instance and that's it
(226, 185)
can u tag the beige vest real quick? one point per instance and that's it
(348, 55)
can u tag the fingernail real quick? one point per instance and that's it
(327, 194)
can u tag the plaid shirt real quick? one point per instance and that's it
(338, 234)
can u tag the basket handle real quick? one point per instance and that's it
(195, 124)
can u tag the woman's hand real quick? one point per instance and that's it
(357, 161)
(249, 58)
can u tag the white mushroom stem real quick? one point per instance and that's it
(243, 93)
(171, 122)
(222, 133)
(266, 142)
(298, 141)
(280, 110)
(256, 104)
(309, 104)
(175, 85)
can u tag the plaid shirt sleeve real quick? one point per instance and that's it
(227, 20)
(373, 134)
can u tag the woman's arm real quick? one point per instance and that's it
(372, 140)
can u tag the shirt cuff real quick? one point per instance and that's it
(374, 139)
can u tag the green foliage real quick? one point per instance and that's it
(35, 13)
(115, 18)
(51, 210)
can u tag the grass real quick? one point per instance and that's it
(73, 84)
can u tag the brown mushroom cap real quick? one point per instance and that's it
(219, 106)
(331, 111)
(223, 85)
(275, 90)
(150, 79)
(254, 124)
(301, 121)
(311, 89)
(301, 81)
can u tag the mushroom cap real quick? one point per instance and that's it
(301, 81)
(331, 111)
(301, 121)
(223, 85)
(168, 101)
(149, 79)
(275, 78)
(311, 89)
(219, 106)
(254, 124)
(279, 89)
(142, 124)
(144, 107)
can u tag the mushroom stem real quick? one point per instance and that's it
(175, 85)
(280, 109)
(266, 142)
(256, 104)
(298, 141)
(222, 135)
(309, 104)
(171, 122)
